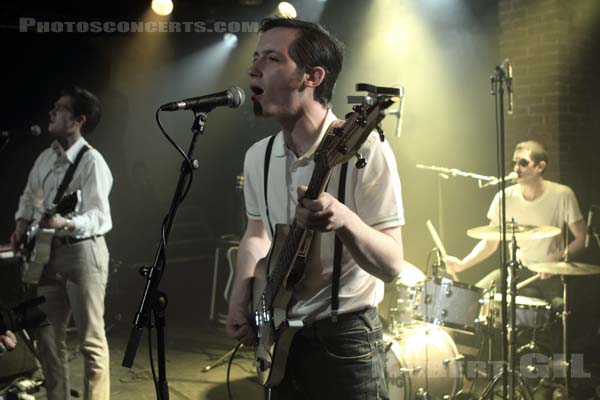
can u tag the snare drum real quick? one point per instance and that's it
(531, 313)
(441, 301)
(423, 359)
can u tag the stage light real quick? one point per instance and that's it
(286, 10)
(162, 7)
(231, 40)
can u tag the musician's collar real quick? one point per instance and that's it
(280, 149)
(71, 152)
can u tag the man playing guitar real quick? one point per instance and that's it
(292, 76)
(74, 280)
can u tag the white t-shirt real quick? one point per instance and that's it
(373, 193)
(557, 206)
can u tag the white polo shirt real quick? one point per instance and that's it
(557, 206)
(373, 193)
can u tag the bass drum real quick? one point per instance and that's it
(423, 362)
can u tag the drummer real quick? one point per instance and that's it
(532, 201)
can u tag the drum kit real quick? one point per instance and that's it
(426, 315)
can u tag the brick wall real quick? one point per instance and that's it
(554, 48)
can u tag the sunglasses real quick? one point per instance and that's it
(522, 162)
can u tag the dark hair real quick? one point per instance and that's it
(85, 103)
(314, 47)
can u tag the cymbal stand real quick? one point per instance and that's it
(565, 347)
(565, 318)
(513, 373)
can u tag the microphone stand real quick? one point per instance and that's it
(153, 299)
(497, 90)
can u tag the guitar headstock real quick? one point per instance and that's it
(343, 140)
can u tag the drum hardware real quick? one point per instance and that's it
(564, 269)
(508, 303)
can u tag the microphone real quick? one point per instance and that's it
(232, 97)
(509, 78)
(508, 178)
(588, 230)
(34, 130)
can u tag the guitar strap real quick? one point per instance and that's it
(69, 174)
(266, 180)
(337, 251)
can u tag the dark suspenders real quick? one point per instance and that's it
(337, 251)
(266, 180)
(338, 246)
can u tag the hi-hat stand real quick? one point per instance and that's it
(510, 302)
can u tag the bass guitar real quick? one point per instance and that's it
(283, 267)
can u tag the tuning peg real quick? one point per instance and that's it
(361, 162)
(361, 121)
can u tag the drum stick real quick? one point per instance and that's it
(529, 280)
(440, 246)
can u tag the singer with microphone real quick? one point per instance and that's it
(339, 352)
(75, 277)
(532, 201)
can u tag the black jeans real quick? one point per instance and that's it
(342, 360)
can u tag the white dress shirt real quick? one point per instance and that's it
(92, 177)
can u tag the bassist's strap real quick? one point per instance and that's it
(337, 252)
(69, 174)
(266, 179)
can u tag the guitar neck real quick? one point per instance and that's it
(295, 239)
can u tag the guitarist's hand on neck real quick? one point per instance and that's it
(324, 214)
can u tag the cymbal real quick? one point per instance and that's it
(492, 232)
(410, 275)
(565, 268)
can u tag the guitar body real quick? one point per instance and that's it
(275, 333)
(38, 242)
(41, 246)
